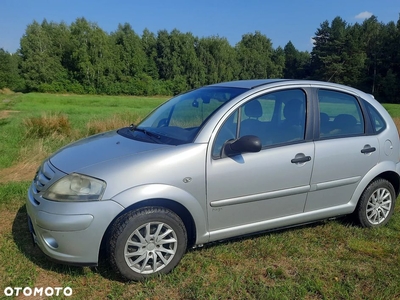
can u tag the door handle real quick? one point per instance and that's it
(368, 149)
(300, 159)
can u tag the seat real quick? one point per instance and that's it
(252, 125)
(292, 127)
(253, 109)
(344, 124)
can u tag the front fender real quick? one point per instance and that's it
(383, 167)
(146, 192)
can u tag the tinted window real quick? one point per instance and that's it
(275, 118)
(340, 114)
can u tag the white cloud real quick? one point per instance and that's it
(364, 15)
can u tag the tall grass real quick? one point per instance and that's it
(6, 91)
(61, 119)
(116, 121)
(47, 125)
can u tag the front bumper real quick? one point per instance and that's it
(70, 232)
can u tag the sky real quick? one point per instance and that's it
(280, 20)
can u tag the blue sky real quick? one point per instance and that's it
(281, 20)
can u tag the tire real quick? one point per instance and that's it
(376, 204)
(147, 241)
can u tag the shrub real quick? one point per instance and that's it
(53, 125)
(75, 88)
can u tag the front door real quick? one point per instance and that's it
(246, 190)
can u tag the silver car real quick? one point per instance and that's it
(220, 161)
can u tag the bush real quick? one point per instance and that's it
(56, 125)
(75, 88)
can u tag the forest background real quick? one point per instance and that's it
(81, 58)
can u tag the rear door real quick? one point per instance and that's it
(344, 151)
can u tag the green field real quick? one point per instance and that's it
(326, 260)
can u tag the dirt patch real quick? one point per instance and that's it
(6, 113)
(45, 279)
(6, 221)
(29, 160)
(23, 171)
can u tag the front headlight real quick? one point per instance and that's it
(76, 187)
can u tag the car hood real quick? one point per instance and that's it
(97, 149)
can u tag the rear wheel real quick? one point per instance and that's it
(376, 204)
(147, 241)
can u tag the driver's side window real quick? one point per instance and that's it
(275, 118)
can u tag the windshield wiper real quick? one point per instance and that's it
(155, 137)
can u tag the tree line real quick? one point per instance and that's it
(82, 58)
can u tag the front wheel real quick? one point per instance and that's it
(147, 241)
(376, 204)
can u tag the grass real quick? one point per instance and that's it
(326, 260)
(56, 125)
(60, 119)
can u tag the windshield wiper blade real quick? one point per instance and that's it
(154, 136)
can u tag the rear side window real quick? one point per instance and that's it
(378, 123)
(340, 114)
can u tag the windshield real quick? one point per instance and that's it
(179, 120)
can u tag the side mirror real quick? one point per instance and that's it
(247, 143)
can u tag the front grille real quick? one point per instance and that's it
(43, 176)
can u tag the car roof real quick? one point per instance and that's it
(248, 84)
(255, 83)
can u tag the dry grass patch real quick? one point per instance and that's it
(4, 114)
(397, 122)
(54, 126)
(369, 248)
(116, 121)
(22, 171)
(29, 160)
(44, 279)
(6, 91)
(48, 125)
(6, 220)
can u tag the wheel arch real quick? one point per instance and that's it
(393, 178)
(387, 170)
(180, 210)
